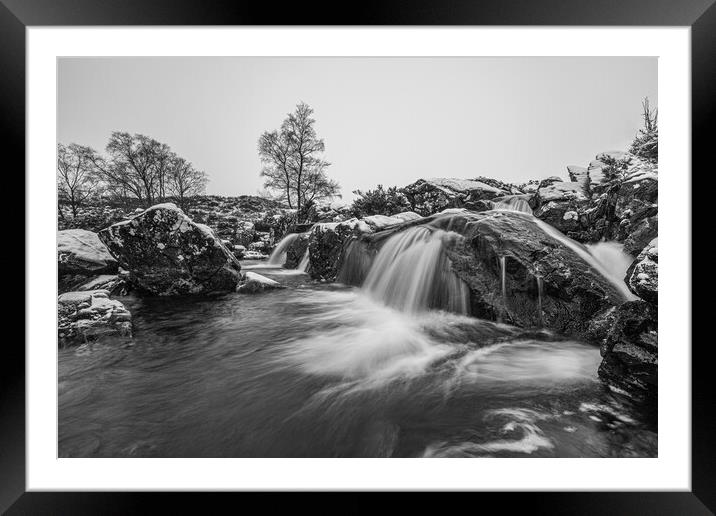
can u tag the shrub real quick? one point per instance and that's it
(379, 202)
(615, 168)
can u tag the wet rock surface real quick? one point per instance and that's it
(630, 350)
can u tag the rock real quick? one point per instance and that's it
(544, 183)
(326, 244)
(166, 253)
(239, 251)
(253, 283)
(640, 234)
(260, 246)
(638, 191)
(642, 277)
(112, 283)
(406, 216)
(255, 255)
(579, 175)
(559, 204)
(296, 251)
(379, 222)
(595, 170)
(572, 290)
(630, 351)
(430, 196)
(245, 233)
(327, 211)
(81, 252)
(84, 316)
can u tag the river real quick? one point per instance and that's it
(321, 370)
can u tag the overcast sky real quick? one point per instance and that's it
(384, 120)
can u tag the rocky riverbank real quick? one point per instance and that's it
(513, 253)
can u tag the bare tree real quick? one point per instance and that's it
(274, 152)
(134, 163)
(292, 160)
(76, 179)
(183, 180)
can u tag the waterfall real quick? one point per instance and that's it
(278, 256)
(412, 273)
(606, 257)
(585, 254)
(503, 282)
(305, 261)
(540, 289)
(513, 204)
(615, 261)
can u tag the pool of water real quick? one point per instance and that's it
(318, 370)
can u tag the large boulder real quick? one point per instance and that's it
(89, 315)
(166, 253)
(549, 280)
(326, 245)
(643, 275)
(430, 196)
(81, 252)
(630, 350)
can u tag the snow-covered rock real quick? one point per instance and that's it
(559, 204)
(81, 252)
(643, 275)
(254, 255)
(253, 283)
(88, 315)
(430, 196)
(166, 253)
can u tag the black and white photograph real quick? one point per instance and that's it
(346, 257)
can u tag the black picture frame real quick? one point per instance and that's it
(700, 15)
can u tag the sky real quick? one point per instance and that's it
(384, 120)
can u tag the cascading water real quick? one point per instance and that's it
(615, 261)
(540, 288)
(503, 282)
(513, 204)
(412, 273)
(278, 256)
(585, 254)
(305, 261)
(605, 261)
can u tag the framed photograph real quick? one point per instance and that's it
(411, 250)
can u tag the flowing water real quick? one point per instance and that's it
(318, 370)
(278, 256)
(607, 258)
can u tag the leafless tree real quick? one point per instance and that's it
(134, 163)
(183, 180)
(292, 160)
(76, 178)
